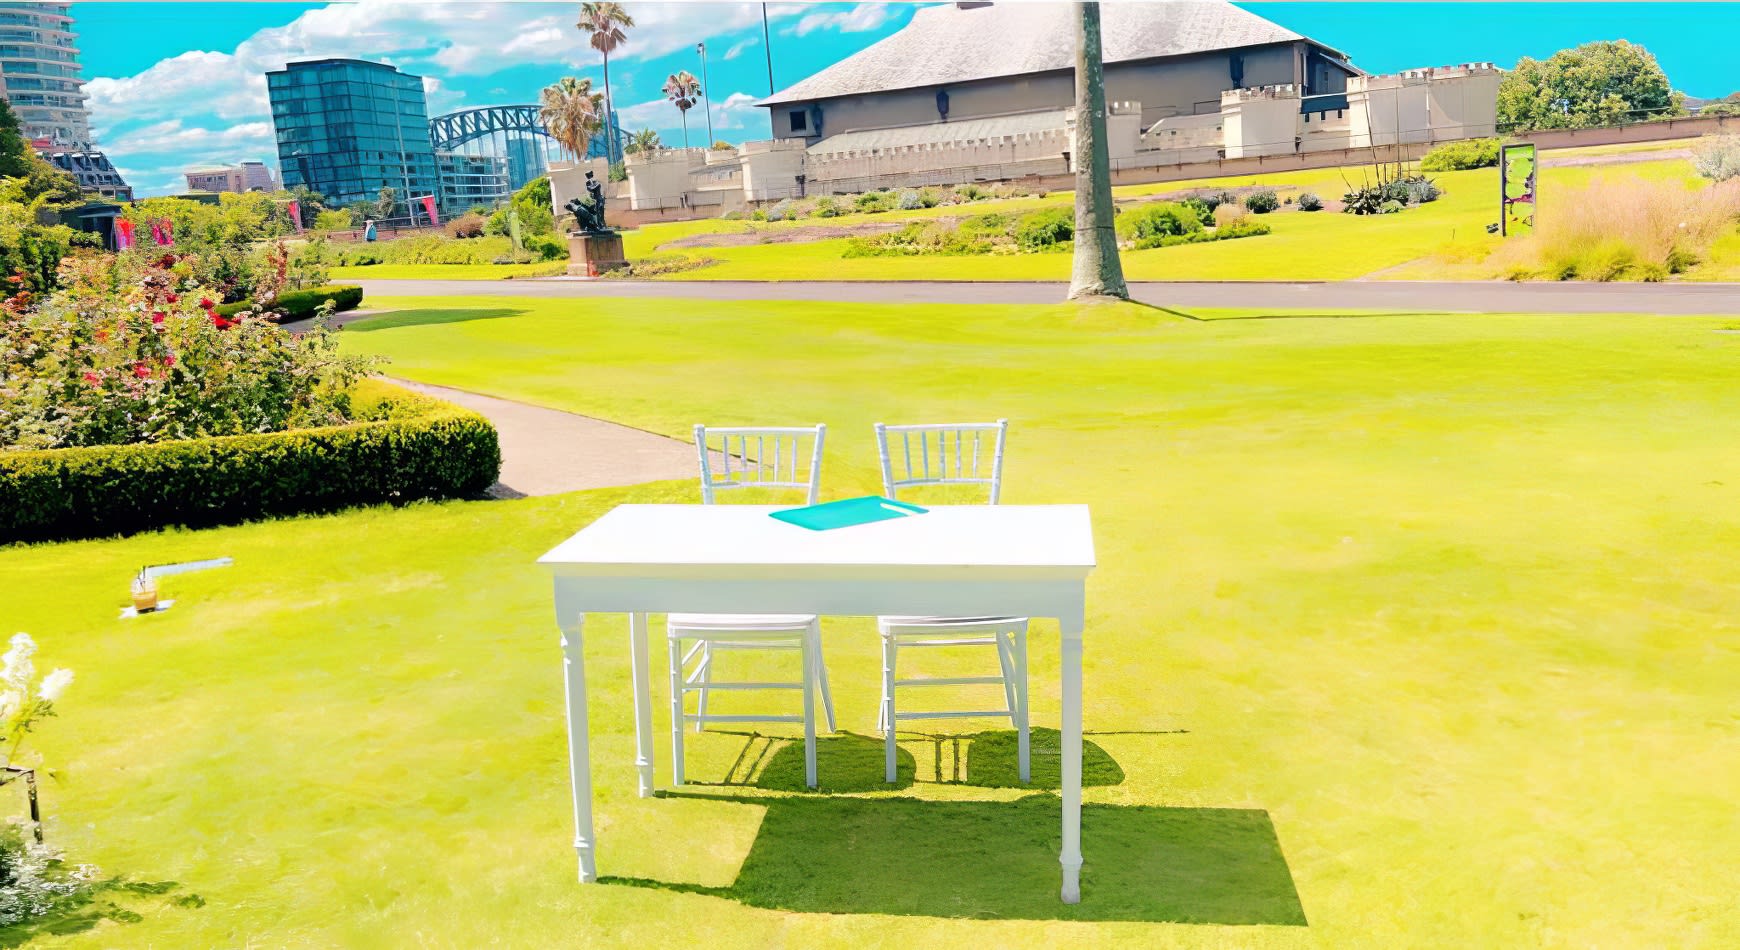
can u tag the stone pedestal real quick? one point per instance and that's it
(594, 253)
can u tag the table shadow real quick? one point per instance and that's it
(998, 861)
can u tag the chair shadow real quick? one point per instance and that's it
(849, 762)
(416, 318)
(998, 861)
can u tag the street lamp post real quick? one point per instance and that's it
(706, 97)
(767, 47)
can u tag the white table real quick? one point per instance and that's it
(1009, 560)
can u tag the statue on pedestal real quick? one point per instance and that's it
(588, 210)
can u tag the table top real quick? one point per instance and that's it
(1043, 540)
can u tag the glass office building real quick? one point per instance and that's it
(347, 128)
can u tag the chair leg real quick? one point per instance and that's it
(1007, 663)
(809, 664)
(821, 672)
(706, 672)
(888, 720)
(1023, 755)
(676, 645)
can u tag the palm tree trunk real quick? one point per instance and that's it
(685, 114)
(1097, 272)
(609, 116)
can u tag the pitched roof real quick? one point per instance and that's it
(965, 130)
(952, 43)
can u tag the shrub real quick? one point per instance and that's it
(875, 202)
(758, 215)
(1461, 156)
(1629, 228)
(292, 305)
(333, 220)
(910, 201)
(1045, 230)
(994, 224)
(929, 197)
(667, 264)
(1204, 208)
(408, 447)
(827, 208)
(1391, 206)
(1262, 202)
(971, 193)
(467, 225)
(780, 211)
(922, 238)
(548, 247)
(1717, 157)
(1230, 214)
(1310, 202)
(1367, 200)
(1422, 191)
(1146, 223)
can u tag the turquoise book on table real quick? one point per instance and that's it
(848, 512)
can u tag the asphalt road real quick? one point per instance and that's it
(1472, 296)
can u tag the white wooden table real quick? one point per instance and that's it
(1009, 560)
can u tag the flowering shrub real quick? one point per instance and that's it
(131, 353)
(22, 701)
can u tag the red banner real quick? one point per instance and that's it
(123, 234)
(295, 210)
(429, 206)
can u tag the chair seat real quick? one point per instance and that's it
(768, 622)
(945, 621)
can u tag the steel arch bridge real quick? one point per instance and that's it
(447, 132)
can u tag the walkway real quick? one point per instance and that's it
(1471, 296)
(547, 452)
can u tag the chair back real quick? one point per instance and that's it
(760, 457)
(969, 453)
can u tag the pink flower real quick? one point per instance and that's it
(93, 379)
(158, 316)
(141, 370)
(169, 360)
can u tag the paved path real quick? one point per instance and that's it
(546, 451)
(1474, 296)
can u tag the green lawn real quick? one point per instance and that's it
(1409, 630)
(447, 271)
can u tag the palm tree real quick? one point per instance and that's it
(646, 140)
(683, 89)
(605, 23)
(1096, 272)
(572, 113)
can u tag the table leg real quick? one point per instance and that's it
(579, 753)
(1071, 856)
(642, 673)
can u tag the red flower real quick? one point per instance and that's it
(171, 297)
(141, 370)
(206, 303)
(93, 379)
(102, 336)
(158, 316)
(169, 360)
(220, 322)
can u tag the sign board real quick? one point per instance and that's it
(1517, 171)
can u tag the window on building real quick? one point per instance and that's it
(800, 120)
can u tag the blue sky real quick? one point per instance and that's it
(166, 95)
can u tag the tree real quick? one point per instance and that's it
(1603, 83)
(604, 23)
(721, 145)
(646, 140)
(310, 201)
(572, 113)
(385, 202)
(683, 89)
(15, 152)
(1097, 271)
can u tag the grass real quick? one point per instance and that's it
(1408, 630)
(447, 271)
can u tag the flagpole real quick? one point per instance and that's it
(706, 94)
(767, 46)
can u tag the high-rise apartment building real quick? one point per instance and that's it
(347, 128)
(39, 73)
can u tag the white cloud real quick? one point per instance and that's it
(862, 17)
(737, 49)
(169, 135)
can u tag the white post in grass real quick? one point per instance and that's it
(579, 754)
(641, 670)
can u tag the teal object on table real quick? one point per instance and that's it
(848, 512)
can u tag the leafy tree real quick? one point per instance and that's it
(312, 202)
(15, 152)
(334, 220)
(386, 202)
(723, 146)
(1602, 83)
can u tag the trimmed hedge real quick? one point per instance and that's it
(301, 304)
(407, 447)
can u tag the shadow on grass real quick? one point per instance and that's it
(418, 318)
(998, 861)
(90, 905)
(854, 763)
